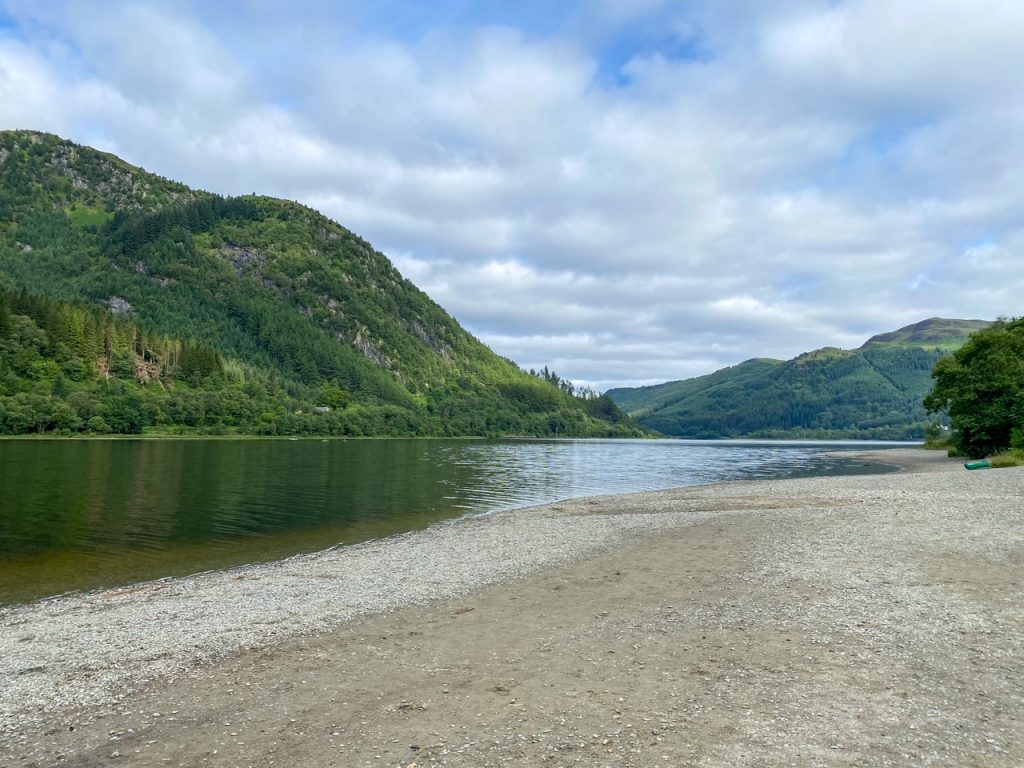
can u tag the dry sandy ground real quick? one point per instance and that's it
(853, 621)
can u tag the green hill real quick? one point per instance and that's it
(871, 392)
(306, 317)
(935, 332)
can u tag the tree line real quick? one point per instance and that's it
(69, 368)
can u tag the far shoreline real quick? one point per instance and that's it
(695, 440)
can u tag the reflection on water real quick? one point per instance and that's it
(85, 514)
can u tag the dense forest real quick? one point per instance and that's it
(134, 304)
(874, 392)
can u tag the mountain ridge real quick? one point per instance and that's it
(935, 331)
(873, 391)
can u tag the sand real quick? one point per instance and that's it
(863, 621)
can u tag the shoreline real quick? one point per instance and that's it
(254, 436)
(92, 658)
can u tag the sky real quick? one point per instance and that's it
(626, 191)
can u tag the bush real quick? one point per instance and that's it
(936, 438)
(98, 426)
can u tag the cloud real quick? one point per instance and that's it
(896, 55)
(26, 86)
(627, 192)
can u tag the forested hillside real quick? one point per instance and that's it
(874, 392)
(298, 312)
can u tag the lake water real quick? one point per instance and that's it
(83, 514)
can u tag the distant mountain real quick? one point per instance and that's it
(935, 332)
(872, 392)
(305, 316)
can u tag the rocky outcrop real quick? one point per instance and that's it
(244, 259)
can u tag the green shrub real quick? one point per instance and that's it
(98, 426)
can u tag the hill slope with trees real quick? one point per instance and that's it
(874, 392)
(296, 310)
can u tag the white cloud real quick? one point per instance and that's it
(26, 87)
(902, 54)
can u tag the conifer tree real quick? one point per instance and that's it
(5, 318)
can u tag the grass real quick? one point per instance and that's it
(83, 216)
(1010, 458)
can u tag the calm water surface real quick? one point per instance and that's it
(98, 513)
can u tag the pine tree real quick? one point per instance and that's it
(5, 318)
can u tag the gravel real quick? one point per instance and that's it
(96, 648)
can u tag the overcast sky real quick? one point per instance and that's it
(627, 191)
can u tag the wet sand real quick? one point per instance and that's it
(861, 621)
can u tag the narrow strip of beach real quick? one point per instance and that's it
(864, 620)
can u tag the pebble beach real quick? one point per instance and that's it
(858, 620)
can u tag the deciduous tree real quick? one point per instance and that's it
(981, 387)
